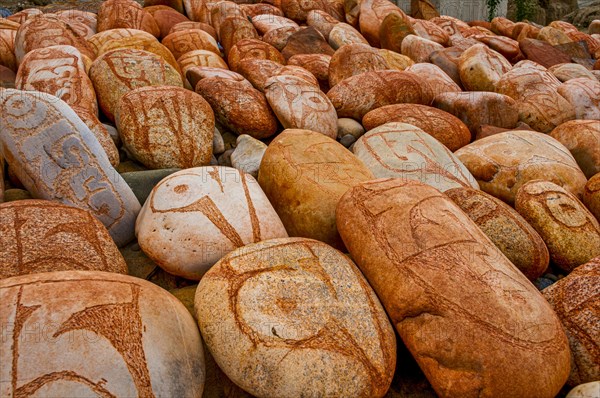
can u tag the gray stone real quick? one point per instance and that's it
(57, 157)
(347, 140)
(218, 143)
(248, 154)
(347, 126)
(10, 195)
(225, 158)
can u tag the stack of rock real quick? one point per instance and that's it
(232, 153)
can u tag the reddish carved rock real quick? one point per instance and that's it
(509, 232)
(430, 31)
(570, 231)
(354, 59)
(194, 217)
(83, 22)
(394, 28)
(480, 108)
(166, 127)
(442, 126)
(114, 14)
(266, 22)
(419, 49)
(100, 38)
(505, 46)
(126, 329)
(542, 53)
(233, 30)
(253, 10)
(321, 21)
(317, 64)
(167, 18)
(184, 41)
(395, 60)
(202, 58)
(58, 70)
(438, 80)
(306, 41)
(447, 60)
(240, 108)
(582, 138)
(300, 105)
(298, 10)
(120, 71)
(591, 195)
(194, 25)
(304, 173)
(41, 132)
(584, 95)
(565, 72)
(403, 234)
(574, 299)
(43, 236)
(355, 96)
(350, 339)
(540, 105)
(278, 38)
(400, 150)
(503, 162)
(197, 73)
(252, 49)
(372, 14)
(46, 30)
(343, 34)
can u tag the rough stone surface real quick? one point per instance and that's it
(400, 150)
(106, 334)
(194, 217)
(584, 390)
(57, 157)
(570, 231)
(515, 238)
(304, 173)
(355, 96)
(120, 71)
(591, 195)
(575, 301)
(354, 59)
(503, 162)
(319, 329)
(438, 80)
(584, 95)
(166, 127)
(114, 14)
(455, 299)
(443, 126)
(480, 108)
(42, 236)
(300, 105)
(582, 138)
(481, 68)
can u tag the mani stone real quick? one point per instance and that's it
(57, 157)
(400, 150)
(166, 127)
(301, 105)
(304, 174)
(194, 217)
(453, 297)
(305, 322)
(591, 195)
(43, 236)
(575, 301)
(584, 95)
(99, 334)
(570, 231)
(582, 138)
(443, 126)
(503, 162)
(515, 238)
(60, 71)
(355, 96)
(354, 59)
(119, 71)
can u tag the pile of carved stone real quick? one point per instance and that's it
(297, 198)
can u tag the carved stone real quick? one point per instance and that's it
(503, 162)
(120, 71)
(354, 59)
(442, 126)
(114, 14)
(252, 49)
(57, 157)
(304, 173)
(515, 238)
(470, 319)
(194, 217)
(300, 105)
(320, 317)
(582, 138)
(591, 195)
(438, 80)
(184, 41)
(570, 231)
(575, 301)
(355, 96)
(481, 68)
(400, 150)
(90, 333)
(166, 127)
(584, 95)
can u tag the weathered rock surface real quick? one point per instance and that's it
(451, 284)
(582, 138)
(318, 330)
